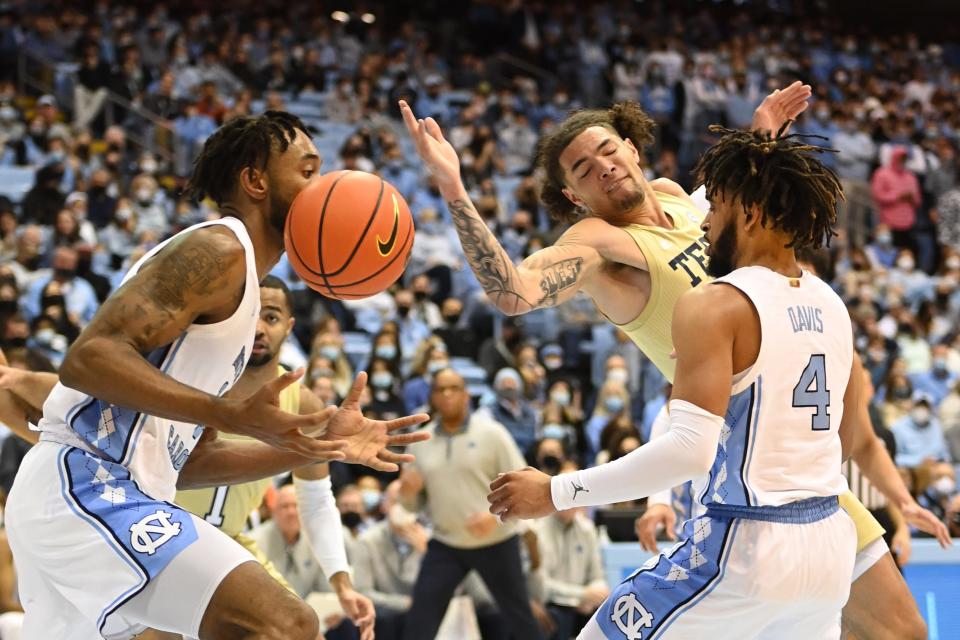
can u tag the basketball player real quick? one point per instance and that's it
(634, 248)
(99, 549)
(763, 373)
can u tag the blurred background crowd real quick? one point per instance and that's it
(103, 107)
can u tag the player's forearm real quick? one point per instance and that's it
(878, 467)
(33, 387)
(233, 462)
(113, 371)
(492, 266)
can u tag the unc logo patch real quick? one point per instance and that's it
(630, 617)
(142, 533)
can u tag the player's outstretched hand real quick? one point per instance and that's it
(926, 521)
(367, 440)
(780, 106)
(437, 154)
(522, 495)
(259, 416)
(657, 516)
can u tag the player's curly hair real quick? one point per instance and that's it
(626, 119)
(241, 144)
(779, 174)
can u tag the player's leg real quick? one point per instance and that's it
(501, 570)
(440, 573)
(215, 589)
(881, 606)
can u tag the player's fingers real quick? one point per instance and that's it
(353, 396)
(500, 480)
(396, 458)
(281, 382)
(403, 439)
(312, 422)
(312, 448)
(434, 129)
(409, 421)
(366, 632)
(367, 614)
(408, 118)
(943, 535)
(501, 493)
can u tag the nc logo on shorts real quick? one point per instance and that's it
(630, 617)
(141, 533)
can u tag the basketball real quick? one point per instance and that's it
(349, 234)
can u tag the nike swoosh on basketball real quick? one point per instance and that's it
(386, 247)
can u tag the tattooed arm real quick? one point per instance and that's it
(199, 277)
(546, 278)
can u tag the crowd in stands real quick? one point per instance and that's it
(92, 172)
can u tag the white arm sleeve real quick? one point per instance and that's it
(320, 520)
(685, 452)
(660, 426)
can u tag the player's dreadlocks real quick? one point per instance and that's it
(779, 174)
(626, 119)
(242, 144)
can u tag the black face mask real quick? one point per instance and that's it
(351, 519)
(550, 465)
(8, 306)
(96, 192)
(64, 274)
(452, 318)
(52, 301)
(14, 343)
(403, 310)
(420, 295)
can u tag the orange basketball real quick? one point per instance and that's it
(349, 235)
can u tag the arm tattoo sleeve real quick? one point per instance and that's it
(184, 273)
(497, 274)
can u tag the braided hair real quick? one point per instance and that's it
(240, 145)
(781, 175)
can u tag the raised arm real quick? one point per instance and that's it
(199, 277)
(548, 277)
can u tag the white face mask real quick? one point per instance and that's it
(906, 264)
(921, 415)
(944, 486)
(618, 375)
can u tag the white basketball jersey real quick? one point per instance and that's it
(780, 440)
(208, 357)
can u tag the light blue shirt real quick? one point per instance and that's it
(937, 387)
(79, 298)
(916, 443)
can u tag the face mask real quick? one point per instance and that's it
(921, 415)
(613, 404)
(561, 398)
(618, 375)
(351, 519)
(906, 264)
(148, 166)
(901, 393)
(8, 114)
(402, 310)
(554, 432)
(953, 262)
(939, 365)
(64, 274)
(885, 239)
(437, 365)
(371, 498)
(16, 342)
(45, 336)
(453, 318)
(386, 351)
(509, 394)
(944, 487)
(8, 306)
(381, 379)
(420, 296)
(144, 196)
(550, 465)
(57, 156)
(429, 228)
(52, 301)
(877, 355)
(553, 363)
(330, 352)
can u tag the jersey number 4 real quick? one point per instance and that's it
(812, 391)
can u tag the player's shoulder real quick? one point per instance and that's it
(671, 188)
(215, 244)
(590, 231)
(714, 303)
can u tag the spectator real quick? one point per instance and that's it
(574, 581)
(412, 329)
(512, 410)
(342, 105)
(461, 341)
(938, 380)
(856, 153)
(452, 472)
(919, 435)
(896, 195)
(424, 309)
(431, 357)
(81, 299)
(386, 403)
(612, 401)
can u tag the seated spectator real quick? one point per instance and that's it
(533, 374)
(338, 368)
(919, 435)
(512, 410)
(573, 574)
(322, 387)
(424, 309)
(81, 299)
(412, 330)
(461, 340)
(612, 402)
(430, 358)
(938, 381)
(386, 403)
(937, 485)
